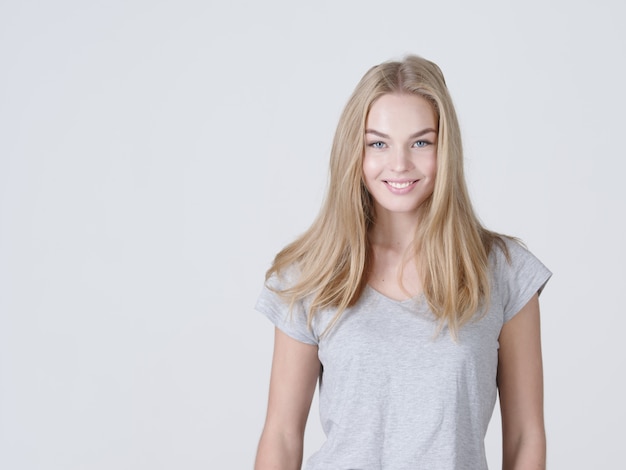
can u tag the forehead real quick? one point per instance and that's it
(401, 111)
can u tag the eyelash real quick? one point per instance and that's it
(375, 145)
(379, 145)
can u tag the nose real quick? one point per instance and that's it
(401, 160)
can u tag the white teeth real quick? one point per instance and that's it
(393, 184)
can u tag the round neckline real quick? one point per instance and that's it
(408, 300)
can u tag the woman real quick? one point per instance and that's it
(410, 314)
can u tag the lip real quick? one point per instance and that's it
(401, 186)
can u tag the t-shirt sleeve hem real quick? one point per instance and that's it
(534, 287)
(283, 322)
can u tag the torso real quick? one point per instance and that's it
(395, 392)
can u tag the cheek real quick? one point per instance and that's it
(370, 170)
(430, 166)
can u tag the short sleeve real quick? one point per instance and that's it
(519, 278)
(292, 322)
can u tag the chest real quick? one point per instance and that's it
(393, 276)
(390, 344)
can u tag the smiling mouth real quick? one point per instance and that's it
(400, 184)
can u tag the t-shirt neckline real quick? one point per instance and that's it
(416, 298)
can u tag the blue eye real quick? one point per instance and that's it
(377, 145)
(421, 143)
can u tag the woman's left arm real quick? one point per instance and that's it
(520, 385)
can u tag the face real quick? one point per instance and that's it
(400, 158)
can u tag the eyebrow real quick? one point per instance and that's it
(412, 136)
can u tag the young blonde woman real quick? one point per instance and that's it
(409, 313)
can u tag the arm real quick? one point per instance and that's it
(520, 384)
(295, 370)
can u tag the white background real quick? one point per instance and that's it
(155, 155)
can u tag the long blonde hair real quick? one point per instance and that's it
(452, 247)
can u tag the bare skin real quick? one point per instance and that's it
(295, 369)
(392, 272)
(520, 385)
(401, 145)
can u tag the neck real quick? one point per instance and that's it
(394, 231)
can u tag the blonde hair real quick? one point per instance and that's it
(452, 247)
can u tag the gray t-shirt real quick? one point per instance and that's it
(393, 395)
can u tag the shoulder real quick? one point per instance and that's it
(277, 303)
(511, 252)
(279, 280)
(517, 274)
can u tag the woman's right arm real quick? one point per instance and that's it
(295, 370)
